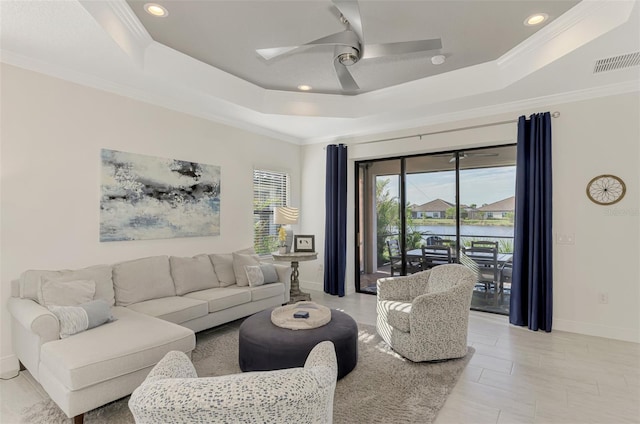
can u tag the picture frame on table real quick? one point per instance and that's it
(304, 243)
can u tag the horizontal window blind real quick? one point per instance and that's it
(270, 189)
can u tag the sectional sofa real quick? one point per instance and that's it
(157, 304)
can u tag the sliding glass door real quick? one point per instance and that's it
(422, 211)
(378, 222)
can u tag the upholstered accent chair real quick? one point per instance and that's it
(173, 393)
(424, 316)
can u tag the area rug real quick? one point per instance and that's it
(383, 388)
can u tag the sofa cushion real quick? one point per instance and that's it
(142, 279)
(223, 297)
(239, 262)
(132, 342)
(175, 309)
(65, 293)
(223, 265)
(192, 274)
(398, 316)
(266, 291)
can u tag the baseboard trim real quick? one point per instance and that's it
(314, 285)
(598, 330)
(311, 285)
(9, 367)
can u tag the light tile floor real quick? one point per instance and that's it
(515, 375)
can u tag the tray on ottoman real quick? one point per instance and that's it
(283, 316)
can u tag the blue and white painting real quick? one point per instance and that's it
(147, 197)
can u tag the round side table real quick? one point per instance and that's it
(295, 258)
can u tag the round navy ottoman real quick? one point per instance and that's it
(264, 346)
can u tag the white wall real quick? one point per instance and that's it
(52, 133)
(599, 136)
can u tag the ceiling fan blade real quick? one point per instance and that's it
(351, 11)
(403, 47)
(347, 38)
(344, 76)
(275, 51)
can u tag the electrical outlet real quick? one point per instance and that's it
(566, 238)
(603, 298)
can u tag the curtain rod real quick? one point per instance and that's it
(511, 121)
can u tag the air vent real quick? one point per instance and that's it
(617, 62)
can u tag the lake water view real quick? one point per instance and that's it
(467, 230)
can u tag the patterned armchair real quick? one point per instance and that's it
(424, 316)
(172, 393)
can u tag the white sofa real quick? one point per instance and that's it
(157, 302)
(172, 393)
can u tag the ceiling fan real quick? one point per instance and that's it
(464, 155)
(350, 46)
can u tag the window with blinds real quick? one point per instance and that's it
(270, 189)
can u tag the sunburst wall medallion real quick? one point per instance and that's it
(606, 189)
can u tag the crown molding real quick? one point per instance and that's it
(566, 22)
(483, 112)
(119, 21)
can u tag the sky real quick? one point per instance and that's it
(479, 186)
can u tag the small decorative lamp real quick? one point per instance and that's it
(286, 215)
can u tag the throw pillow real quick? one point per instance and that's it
(239, 262)
(269, 272)
(192, 274)
(100, 274)
(254, 275)
(75, 319)
(53, 292)
(261, 274)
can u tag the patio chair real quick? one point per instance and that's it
(485, 243)
(506, 273)
(395, 257)
(484, 262)
(435, 255)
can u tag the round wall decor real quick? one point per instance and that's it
(606, 189)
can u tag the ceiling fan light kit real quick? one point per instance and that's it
(438, 59)
(350, 47)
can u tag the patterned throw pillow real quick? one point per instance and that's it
(254, 275)
(75, 319)
(261, 274)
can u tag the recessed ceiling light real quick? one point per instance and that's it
(156, 10)
(536, 19)
(438, 59)
(304, 87)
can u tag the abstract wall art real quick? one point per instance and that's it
(147, 197)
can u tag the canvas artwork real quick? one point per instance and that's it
(148, 197)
